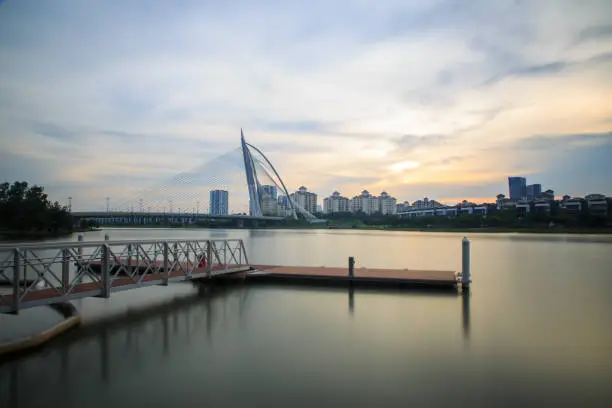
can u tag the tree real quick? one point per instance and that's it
(24, 208)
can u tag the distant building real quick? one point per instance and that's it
(267, 190)
(546, 195)
(401, 207)
(517, 187)
(533, 190)
(427, 203)
(269, 203)
(387, 204)
(283, 206)
(572, 205)
(503, 203)
(335, 203)
(219, 202)
(305, 200)
(366, 203)
(597, 204)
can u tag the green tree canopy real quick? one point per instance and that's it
(27, 208)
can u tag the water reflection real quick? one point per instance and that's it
(132, 339)
(465, 312)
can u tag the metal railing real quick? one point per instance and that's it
(35, 274)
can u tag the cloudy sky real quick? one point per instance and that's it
(443, 99)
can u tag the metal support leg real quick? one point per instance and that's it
(106, 276)
(209, 258)
(166, 263)
(16, 291)
(65, 270)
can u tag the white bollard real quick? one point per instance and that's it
(465, 262)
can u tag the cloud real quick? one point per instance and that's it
(595, 33)
(333, 92)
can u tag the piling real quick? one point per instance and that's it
(351, 266)
(465, 263)
(106, 237)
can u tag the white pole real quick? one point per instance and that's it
(465, 262)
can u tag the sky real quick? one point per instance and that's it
(420, 98)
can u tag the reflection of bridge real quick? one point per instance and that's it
(99, 353)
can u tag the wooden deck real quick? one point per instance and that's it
(392, 276)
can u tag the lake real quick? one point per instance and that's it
(535, 329)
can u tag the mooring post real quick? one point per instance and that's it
(106, 237)
(465, 263)
(351, 266)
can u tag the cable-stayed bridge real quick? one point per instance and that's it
(240, 185)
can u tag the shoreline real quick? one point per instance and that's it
(522, 230)
(12, 235)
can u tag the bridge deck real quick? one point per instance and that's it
(403, 276)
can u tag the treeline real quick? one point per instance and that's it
(26, 208)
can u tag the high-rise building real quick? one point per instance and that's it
(268, 190)
(517, 187)
(387, 204)
(366, 203)
(269, 203)
(335, 204)
(219, 202)
(304, 199)
(533, 190)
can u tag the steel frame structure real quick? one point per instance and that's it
(39, 274)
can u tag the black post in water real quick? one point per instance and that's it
(351, 266)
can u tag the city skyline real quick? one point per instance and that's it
(421, 98)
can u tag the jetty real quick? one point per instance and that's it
(49, 273)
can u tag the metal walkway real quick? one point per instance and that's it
(38, 274)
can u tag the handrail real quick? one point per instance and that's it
(85, 244)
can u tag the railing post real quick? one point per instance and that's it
(106, 281)
(130, 270)
(16, 291)
(351, 266)
(80, 249)
(225, 247)
(166, 262)
(209, 258)
(465, 263)
(246, 258)
(65, 270)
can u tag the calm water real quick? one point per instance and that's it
(536, 329)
